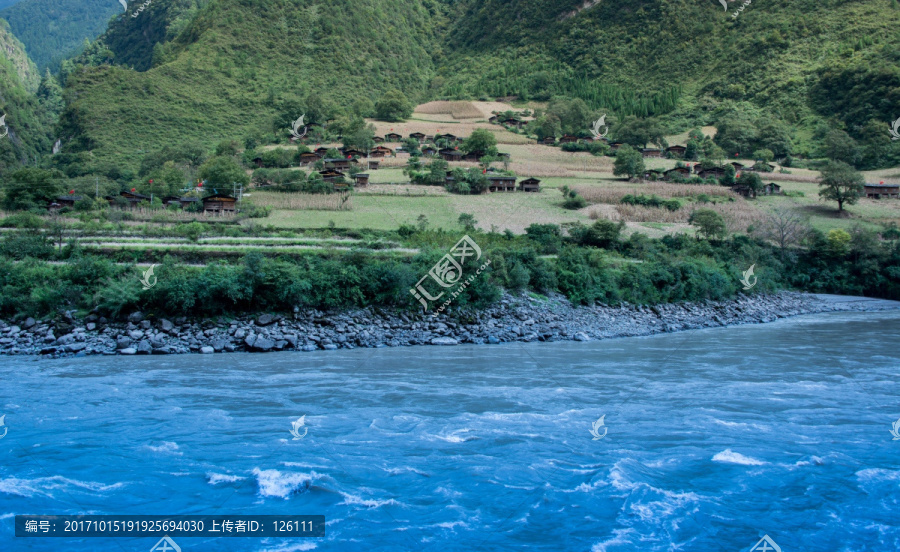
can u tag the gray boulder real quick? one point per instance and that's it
(166, 325)
(144, 347)
(135, 317)
(581, 336)
(207, 350)
(128, 351)
(265, 319)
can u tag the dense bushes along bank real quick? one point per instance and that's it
(591, 264)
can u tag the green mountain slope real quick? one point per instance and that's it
(28, 120)
(205, 72)
(238, 67)
(53, 30)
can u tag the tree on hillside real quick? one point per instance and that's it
(574, 115)
(751, 180)
(31, 187)
(629, 162)
(546, 126)
(709, 223)
(481, 140)
(360, 135)
(640, 132)
(840, 182)
(785, 227)
(736, 132)
(223, 171)
(840, 146)
(393, 106)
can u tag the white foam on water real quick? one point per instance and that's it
(727, 456)
(878, 474)
(356, 500)
(273, 483)
(620, 538)
(216, 478)
(43, 485)
(168, 447)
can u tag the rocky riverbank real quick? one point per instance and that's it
(515, 318)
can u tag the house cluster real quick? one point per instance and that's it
(215, 204)
(507, 120)
(505, 183)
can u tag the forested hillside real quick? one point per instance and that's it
(203, 70)
(28, 120)
(238, 67)
(53, 30)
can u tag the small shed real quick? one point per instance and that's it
(651, 152)
(219, 204)
(716, 172)
(502, 183)
(450, 154)
(530, 185)
(743, 190)
(330, 175)
(882, 191)
(676, 151)
(308, 158)
(373, 164)
(380, 151)
(677, 172)
(549, 140)
(772, 189)
(361, 179)
(418, 136)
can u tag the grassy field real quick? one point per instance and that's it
(390, 200)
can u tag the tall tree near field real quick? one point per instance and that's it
(842, 183)
(223, 171)
(629, 162)
(481, 140)
(393, 106)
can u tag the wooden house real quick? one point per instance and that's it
(530, 185)
(716, 172)
(392, 137)
(502, 183)
(330, 175)
(548, 141)
(418, 136)
(682, 172)
(697, 168)
(568, 139)
(64, 201)
(321, 152)
(654, 174)
(676, 151)
(378, 139)
(132, 198)
(651, 152)
(361, 179)
(450, 154)
(373, 164)
(380, 151)
(772, 189)
(882, 191)
(743, 190)
(615, 146)
(259, 162)
(219, 204)
(340, 163)
(187, 201)
(448, 136)
(473, 156)
(355, 153)
(308, 158)
(429, 151)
